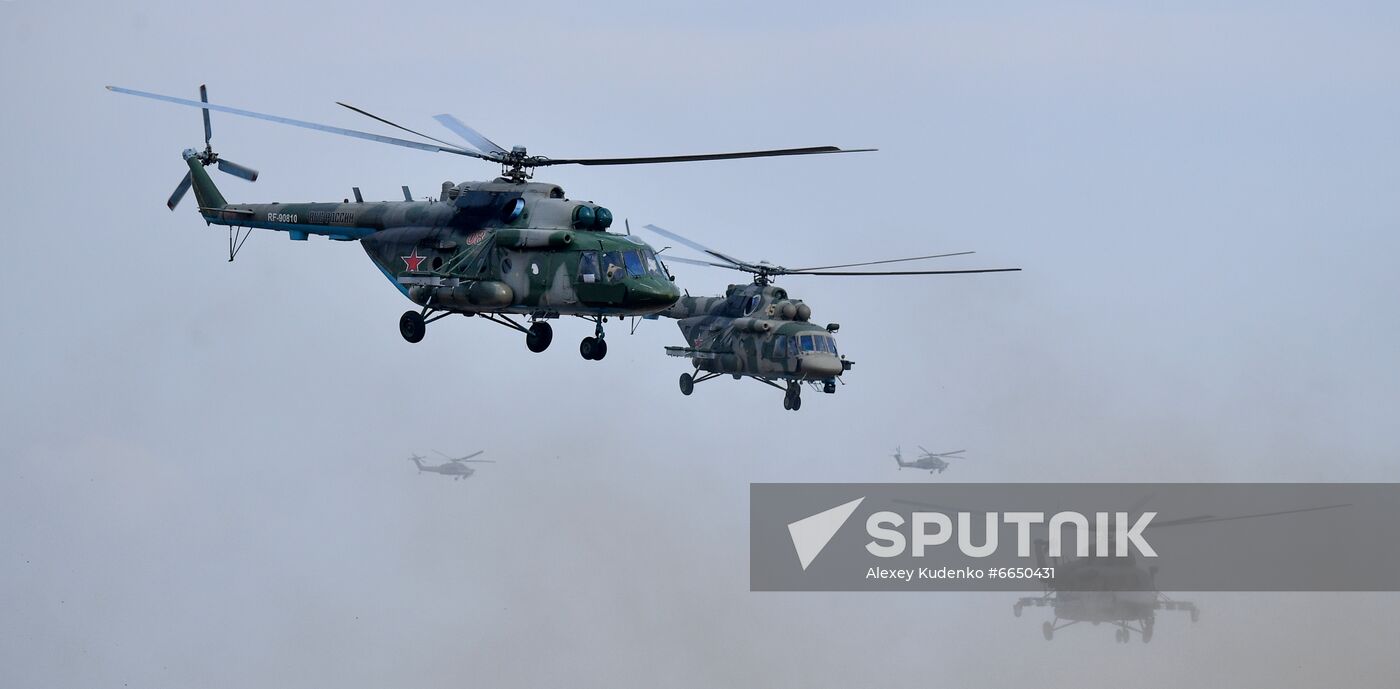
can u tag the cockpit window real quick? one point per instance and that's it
(612, 266)
(754, 301)
(634, 264)
(653, 263)
(818, 343)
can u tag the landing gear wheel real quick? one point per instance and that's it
(412, 327)
(792, 399)
(1147, 633)
(1195, 615)
(1016, 610)
(687, 384)
(539, 336)
(1048, 630)
(593, 348)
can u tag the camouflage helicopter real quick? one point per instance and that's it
(760, 332)
(503, 250)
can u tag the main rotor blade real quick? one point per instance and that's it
(180, 190)
(470, 135)
(889, 260)
(475, 454)
(238, 170)
(483, 461)
(697, 246)
(772, 153)
(904, 272)
(302, 123)
(693, 262)
(1207, 518)
(391, 124)
(204, 98)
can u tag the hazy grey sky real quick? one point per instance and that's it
(206, 481)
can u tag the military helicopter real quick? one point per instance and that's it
(1116, 590)
(931, 461)
(758, 331)
(456, 467)
(1113, 590)
(1131, 604)
(503, 250)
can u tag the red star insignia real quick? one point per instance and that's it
(412, 261)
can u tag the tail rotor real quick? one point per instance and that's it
(208, 157)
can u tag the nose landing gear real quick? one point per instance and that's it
(792, 400)
(594, 348)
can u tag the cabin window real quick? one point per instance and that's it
(780, 345)
(807, 344)
(588, 266)
(634, 264)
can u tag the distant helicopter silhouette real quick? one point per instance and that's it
(456, 467)
(929, 460)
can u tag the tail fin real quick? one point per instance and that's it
(416, 463)
(205, 192)
(899, 459)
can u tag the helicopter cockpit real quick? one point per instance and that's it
(805, 343)
(615, 266)
(818, 342)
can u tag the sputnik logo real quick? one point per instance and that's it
(810, 535)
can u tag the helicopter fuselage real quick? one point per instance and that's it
(756, 330)
(929, 463)
(497, 247)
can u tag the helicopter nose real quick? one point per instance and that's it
(816, 365)
(655, 296)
